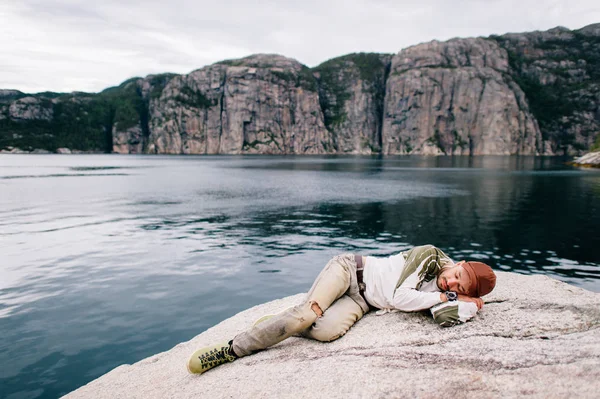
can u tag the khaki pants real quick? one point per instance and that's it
(335, 291)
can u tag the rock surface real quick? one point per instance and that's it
(590, 159)
(128, 141)
(264, 104)
(536, 337)
(456, 97)
(559, 71)
(31, 108)
(351, 93)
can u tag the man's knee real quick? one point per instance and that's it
(317, 309)
(326, 335)
(327, 329)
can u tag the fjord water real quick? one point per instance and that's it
(108, 259)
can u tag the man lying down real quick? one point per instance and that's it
(350, 285)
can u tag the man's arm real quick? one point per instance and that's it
(444, 313)
(408, 299)
(413, 300)
(422, 264)
(448, 314)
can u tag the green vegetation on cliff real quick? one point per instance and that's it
(335, 76)
(560, 75)
(195, 98)
(81, 121)
(125, 104)
(303, 79)
(596, 146)
(158, 83)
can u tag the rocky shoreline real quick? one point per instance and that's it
(15, 150)
(536, 337)
(590, 160)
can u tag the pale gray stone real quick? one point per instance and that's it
(128, 141)
(259, 104)
(589, 159)
(31, 108)
(536, 337)
(456, 97)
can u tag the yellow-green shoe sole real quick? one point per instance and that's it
(195, 365)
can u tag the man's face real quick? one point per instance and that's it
(454, 279)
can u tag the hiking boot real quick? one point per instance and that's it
(210, 356)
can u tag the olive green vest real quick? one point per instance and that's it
(430, 257)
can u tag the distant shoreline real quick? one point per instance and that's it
(37, 151)
(68, 151)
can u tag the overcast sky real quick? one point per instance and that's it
(84, 45)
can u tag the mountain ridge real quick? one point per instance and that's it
(518, 93)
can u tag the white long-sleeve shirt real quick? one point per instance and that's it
(382, 275)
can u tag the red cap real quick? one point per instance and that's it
(483, 279)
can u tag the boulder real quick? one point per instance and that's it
(591, 159)
(535, 337)
(40, 151)
(31, 108)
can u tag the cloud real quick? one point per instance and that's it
(65, 45)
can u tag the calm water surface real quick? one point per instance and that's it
(108, 259)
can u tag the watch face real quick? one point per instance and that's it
(451, 295)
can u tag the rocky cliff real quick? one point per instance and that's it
(456, 97)
(535, 337)
(351, 93)
(559, 72)
(530, 93)
(265, 104)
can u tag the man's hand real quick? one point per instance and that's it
(476, 301)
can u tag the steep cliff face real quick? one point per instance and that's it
(530, 93)
(260, 104)
(559, 71)
(128, 141)
(456, 97)
(351, 92)
(129, 118)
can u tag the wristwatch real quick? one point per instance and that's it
(451, 295)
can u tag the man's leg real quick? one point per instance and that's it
(333, 281)
(338, 319)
